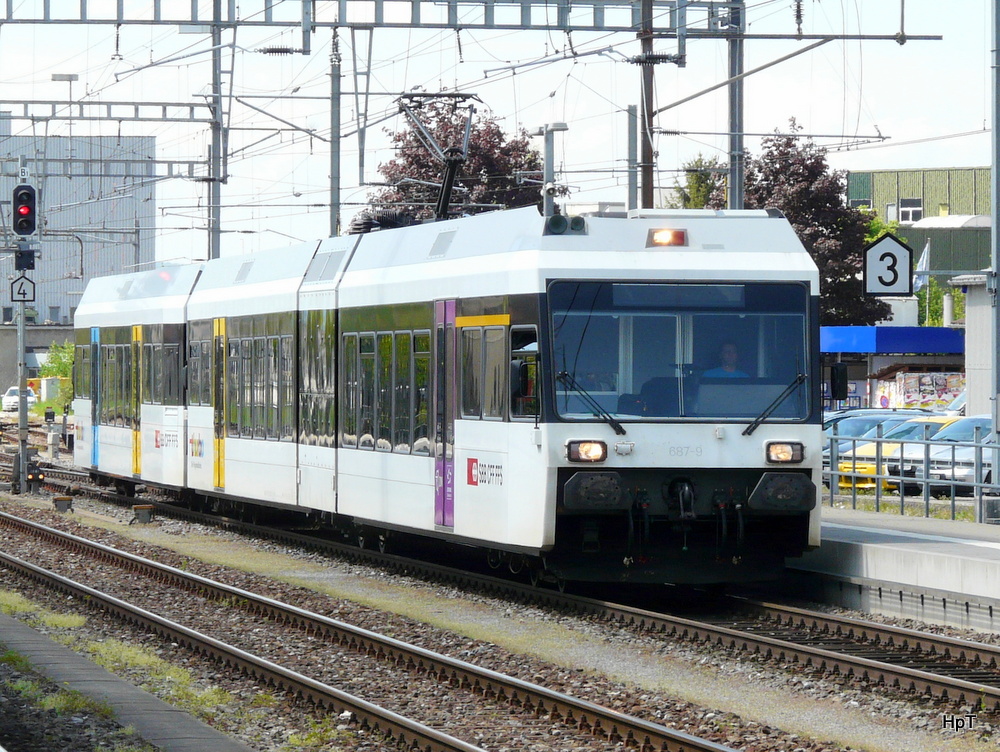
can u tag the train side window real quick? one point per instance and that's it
(246, 398)
(351, 391)
(81, 372)
(472, 372)
(261, 377)
(366, 404)
(125, 401)
(272, 396)
(494, 372)
(104, 366)
(384, 354)
(402, 383)
(421, 392)
(158, 376)
(523, 372)
(194, 373)
(171, 375)
(147, 373)
(234, 389)
(287, 389)
(206, 372)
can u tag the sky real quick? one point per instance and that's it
(928, 100)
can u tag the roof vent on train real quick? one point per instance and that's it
(369, 221)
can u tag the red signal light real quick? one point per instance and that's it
(25, 197)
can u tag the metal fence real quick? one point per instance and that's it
(915, 477)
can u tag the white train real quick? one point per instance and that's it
(543, 390)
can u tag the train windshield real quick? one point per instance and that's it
(651, 351)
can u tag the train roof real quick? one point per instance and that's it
(259, 282)
(154, 296)
(516, 251)
(505, 252)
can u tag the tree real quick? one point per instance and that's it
(489, 178)
(877, 227)
(703, 178)
(59, 363)
(792, 175)
(931, 312)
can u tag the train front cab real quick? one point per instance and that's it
(668, 470)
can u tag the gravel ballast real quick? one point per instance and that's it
(752, 704)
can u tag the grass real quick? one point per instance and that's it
(175, 684)
(14, 604)
(119, 657)
(939, 509)
(318, 736)
(16, 660)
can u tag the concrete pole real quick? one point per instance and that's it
(736, 156)
(335, 138)
(633, 157)
(991, 278)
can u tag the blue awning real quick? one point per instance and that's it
(926, 340)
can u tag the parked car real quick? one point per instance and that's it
(861, 462)
(956, 465)
(11, 400)
(852, 431)
(910, 462)
(852, 422)
(848, 438)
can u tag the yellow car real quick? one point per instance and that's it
(856, 464)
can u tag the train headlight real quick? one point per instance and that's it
(784, 451)
(666, 237)
(586, 451)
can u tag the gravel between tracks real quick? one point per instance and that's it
(745, 704)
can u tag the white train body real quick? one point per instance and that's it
(537, 389)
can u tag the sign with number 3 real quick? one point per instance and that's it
(888, 267)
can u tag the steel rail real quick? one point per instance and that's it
(902, 638)
(408, 733)
(598, 720)
(885, 672)
(882, 672)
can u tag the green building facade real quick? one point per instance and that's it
(942, 202)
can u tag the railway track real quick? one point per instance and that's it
(939, 667)
(588, 725)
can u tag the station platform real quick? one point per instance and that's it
(938, 571)
(162, 725)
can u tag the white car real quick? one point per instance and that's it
(11, 399)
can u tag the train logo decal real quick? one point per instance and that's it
(196, 446)
(165, 439)
(484, 473)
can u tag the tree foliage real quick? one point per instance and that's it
(792, 175)
(703, 178)
(489, 178)
(930, 299)
(877, 227)
(59, 361)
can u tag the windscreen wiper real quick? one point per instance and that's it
(774, 405)
(593, 404)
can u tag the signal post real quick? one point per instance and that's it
(24, 223)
